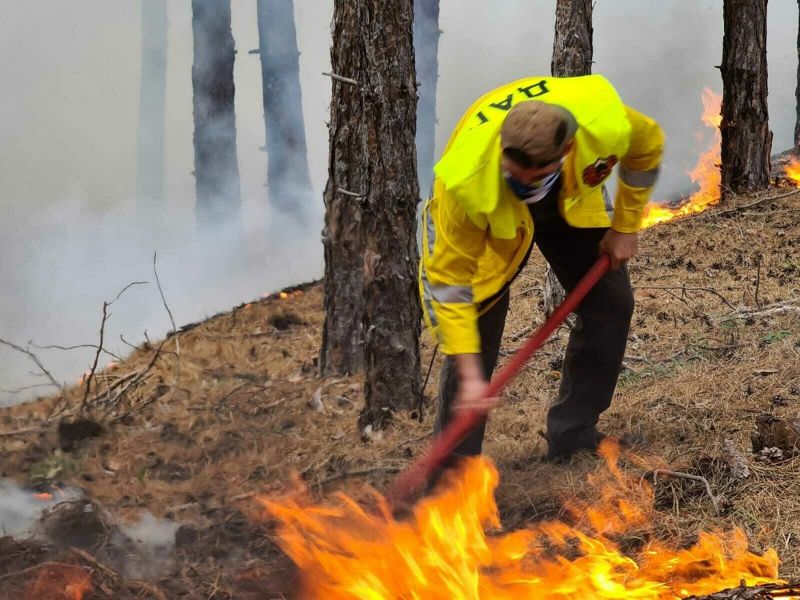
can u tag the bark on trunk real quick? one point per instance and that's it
(152, 105)
(572, 56)
(426, 52)
(216, 168)
(287, 155)
(797, 93)
(372, 313)
(572, 44)
(746, 138)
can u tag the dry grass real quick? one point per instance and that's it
(234, 414)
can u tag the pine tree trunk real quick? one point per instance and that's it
(572, 44)
(797, 93)
(152, 105)
(572, 56)
(426, 54)
(746, 138)
(372, 313)
(216, 168)
(287, 155)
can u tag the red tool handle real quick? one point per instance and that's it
(412, 480)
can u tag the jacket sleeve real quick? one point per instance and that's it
(638, 172)
(451, 247)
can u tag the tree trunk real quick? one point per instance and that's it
(426, 54)
(287, 155)
(746, 138)
(216, 168)
(572, 56)
(372, 313)
(572, 44)
(152, 105)
(797, 93)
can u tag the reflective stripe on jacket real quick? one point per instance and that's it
(475, 232)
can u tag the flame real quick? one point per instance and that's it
(442, 551)
(705, 173)
(58, 580)
(792, 171)
(43, 497)
(294, 294)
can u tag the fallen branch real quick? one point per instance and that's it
(139, 379)
(763, 592)
(43, 565)
(736, 209)
(684, 289)
(244, 496)
(703, 480)
(777, 308)
(131, 584)
(19, 432)
(365, 472)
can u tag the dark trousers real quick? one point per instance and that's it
(596, 345)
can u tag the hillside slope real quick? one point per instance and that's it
(232, 407)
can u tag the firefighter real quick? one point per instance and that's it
(526, 165)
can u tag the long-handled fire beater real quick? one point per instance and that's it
(415, 477)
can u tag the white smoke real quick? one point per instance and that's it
(70, 236)
(153, 544)
(20, 509)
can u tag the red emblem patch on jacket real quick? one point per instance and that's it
(595, 174)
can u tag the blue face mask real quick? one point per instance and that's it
(533, 191)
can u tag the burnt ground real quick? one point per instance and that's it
(195, 426)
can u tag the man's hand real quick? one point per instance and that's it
(620, 247)
(472, 385)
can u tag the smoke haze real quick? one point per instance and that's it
(71, 236)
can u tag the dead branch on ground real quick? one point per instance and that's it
(684, 288)
(714, 500)
(762, 592)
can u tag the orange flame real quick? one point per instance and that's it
(705, 173)
(442, 551)
(792, 171)
(294, 294)
(44, 497)
(61, 581)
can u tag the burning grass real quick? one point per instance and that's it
(705, 174)
(239, 408)
(442, 551)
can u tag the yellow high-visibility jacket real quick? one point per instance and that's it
(476, 232)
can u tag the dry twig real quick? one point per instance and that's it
(684, 288)
(336, 77)
(703, 480)
(104, 320)
(363, 473)
(19, 432)
(36, 360)
(34, 568)
(166, 306)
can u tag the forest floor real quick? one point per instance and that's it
(196, 427)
